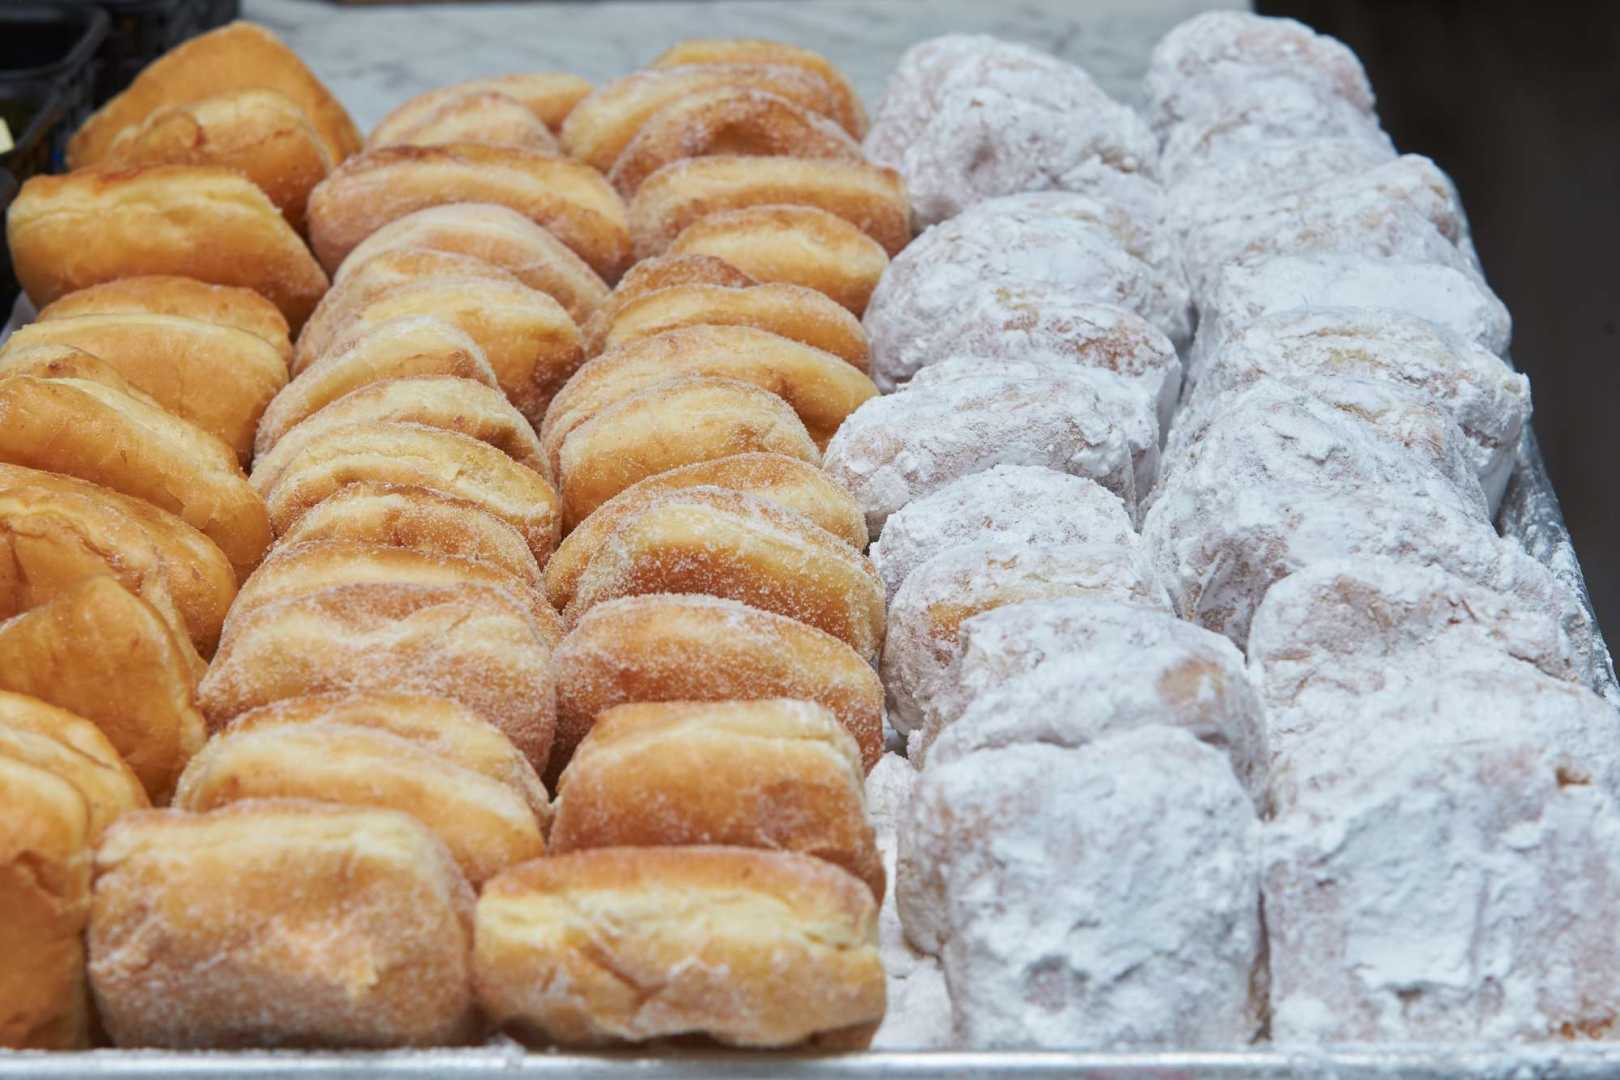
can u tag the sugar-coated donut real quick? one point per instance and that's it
(666, 424)
(783, 481)
(104, 654)
(201, 928)
(650, 275)
(792, 311)
(702, 648)
(869, 197)
(204, 222)
(739, 547)
(751, 948)
(497, 235)
(549, 95)
(796, 245)
(849, 111)
(477, 646)
(376, 187)
(74, 749)
(166, 294)
(778, 774)
(476, 116)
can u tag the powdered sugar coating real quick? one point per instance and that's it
(1101, 896)
(1024, 504)
(920, 644)
(1258, 172)
(1446, 866)
(1242, 117)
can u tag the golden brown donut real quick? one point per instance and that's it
(259, 133)
(650, 275)
(728, 120)
(702, 648)
(448, 462)
(476, 646)
(776, 773)
(486, 825)
(666, 425)
(441, 401)
(217, 377)
(45, 863)
(752, 51)
(789, 310)
(443, 727)
(402, 348)
(166, 294)
(73, 748)
(376, 187)
(238, 56)
(105, 655)
(280, 922)
(81, 428)
(66, 362)
(798, 245)
(751, 948)
(498, 235)
(198, 221)
(549, 95)
(416, 519)
(723, 543)
(476, 116)
(602, 125)
(870, 197)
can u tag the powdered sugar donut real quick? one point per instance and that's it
(1259, 172)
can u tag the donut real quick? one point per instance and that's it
(45, 867)
(871, 198)
(678, 421)
(407, 347)
(477, 116)
(485, 824)
(749, 948)
(728, 120)
(217, 377)
(701, 648)
(84, 429)
(650, 275)
(448, 462)
(477, 646)
(569, 198)
(106, 655)
(166, 294)
(783, 481)
(849, 112)
(792, 311)
(497, 235)
(795, 245)
(416, 519)
(201, 928)
(795, 783)
(259, 133)
(738, 547)
(74, 749)
(548, 96)
(603, 124)
(205, 222)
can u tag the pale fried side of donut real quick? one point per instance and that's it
(476, 116)
(74, 749)
(792, 311)
(650, 275)
(167, 294)
(851, 114)
(549, 95)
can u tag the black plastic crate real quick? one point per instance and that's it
(215, 13)
(140, 32)
(47, 68)
(8, 278)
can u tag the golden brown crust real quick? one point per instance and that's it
(74, 749)
(550, 96)
(167, 294)
(722, 543)
(869, 197)
(798, 245)
(376, 187)
(474, 116)
(497, 235)
(105, 655)
(752, 948)
(650, 275)
(239, 56)
(45, 893)
(665, 425)
(728, 120)
(850, 112)
(456, 465)
(259, 133)
(204, 222)
(217, 377)
(280, 923)
(474, 645)
(701, 648)
(792, 311)
(83, 429)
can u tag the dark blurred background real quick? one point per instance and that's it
(1520, 103)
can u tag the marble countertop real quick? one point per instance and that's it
(374, 57)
